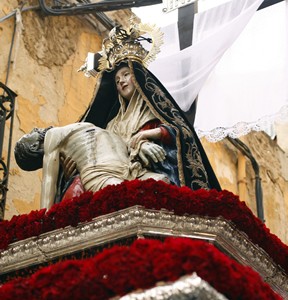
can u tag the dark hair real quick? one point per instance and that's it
(28, 157)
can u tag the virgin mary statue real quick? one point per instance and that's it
(148, 115)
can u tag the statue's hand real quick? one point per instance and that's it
(152, 151)
(68, 165)
(150, 134)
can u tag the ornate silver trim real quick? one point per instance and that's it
(139, 222)
(185, 288)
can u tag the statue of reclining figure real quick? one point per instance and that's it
(101, 157)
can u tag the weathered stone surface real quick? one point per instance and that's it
(50, 40)
(272, 161)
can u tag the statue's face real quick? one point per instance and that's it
(124, 83)
(33, 139)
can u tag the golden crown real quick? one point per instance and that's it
(125, 43)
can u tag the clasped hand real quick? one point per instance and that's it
(153, 151)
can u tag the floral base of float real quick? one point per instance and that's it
(114, 216)
(145, 263)
(125, 226)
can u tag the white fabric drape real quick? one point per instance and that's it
(247, 89)
(184, 72)
(251, 93)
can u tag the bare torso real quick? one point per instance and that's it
(100, 156)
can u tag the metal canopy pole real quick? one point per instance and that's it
(84, 8)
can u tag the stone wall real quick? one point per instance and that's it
(228, 161)
(47, 53)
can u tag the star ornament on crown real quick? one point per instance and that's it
(124, 44)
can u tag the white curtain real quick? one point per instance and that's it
(184, 72)
(247, 90)
(231, 101)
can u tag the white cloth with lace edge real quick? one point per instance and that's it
(227, 105)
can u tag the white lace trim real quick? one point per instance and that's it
(242, 128)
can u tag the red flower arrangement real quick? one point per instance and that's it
(153, 195)
(122, 269)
